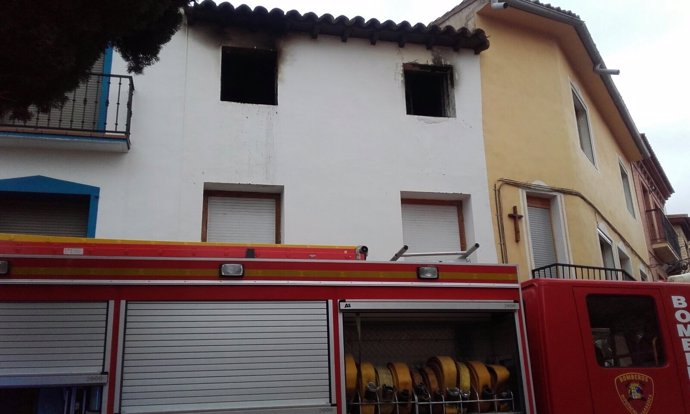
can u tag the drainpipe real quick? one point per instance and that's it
(497, 5)
(499, 222)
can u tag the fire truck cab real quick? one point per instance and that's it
(609, 347)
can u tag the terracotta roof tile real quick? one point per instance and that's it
(277, 21)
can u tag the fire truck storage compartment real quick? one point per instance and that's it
(421, 336)
(270, 356)
(52, 356)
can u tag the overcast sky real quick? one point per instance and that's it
(645, 39)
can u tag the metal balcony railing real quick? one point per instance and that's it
(568, 271)
(661, 230)
(100, 107)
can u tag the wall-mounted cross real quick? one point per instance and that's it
(516, 222)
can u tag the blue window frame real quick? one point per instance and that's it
(105, 89)
(39, 185)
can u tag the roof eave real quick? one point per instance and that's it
(279, 22)
(681, 220)
(654, 167)
(586, 38)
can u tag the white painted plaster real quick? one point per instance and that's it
(339, 143)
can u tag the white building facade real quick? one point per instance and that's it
(364, 134)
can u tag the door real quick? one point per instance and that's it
(626, 346)
(541, 232)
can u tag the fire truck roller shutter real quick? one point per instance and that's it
(264, 355)
(52, 343)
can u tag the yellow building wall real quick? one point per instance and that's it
(531, 136)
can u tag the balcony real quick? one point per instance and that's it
(96, 116)
(663, 237)
(568, 271)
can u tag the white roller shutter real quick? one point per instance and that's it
(241, 220)
(541, 236)
(431, 227)
(54, 215)
(185, 356)
(53, 338)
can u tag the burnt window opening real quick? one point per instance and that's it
(428, 90)
(249, 76)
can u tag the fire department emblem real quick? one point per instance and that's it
(636, 392)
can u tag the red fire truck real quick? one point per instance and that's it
(102, 326)
(609, 347)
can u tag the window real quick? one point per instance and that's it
(241, 217)
(583, 130)
(541, 231)
(45, 214)
(609, 262)
(625, 331)
(643, 276)
(433, 226)
(626, 265)
(626, 189)
(46, 206)
(249, 76)
(428, 90)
